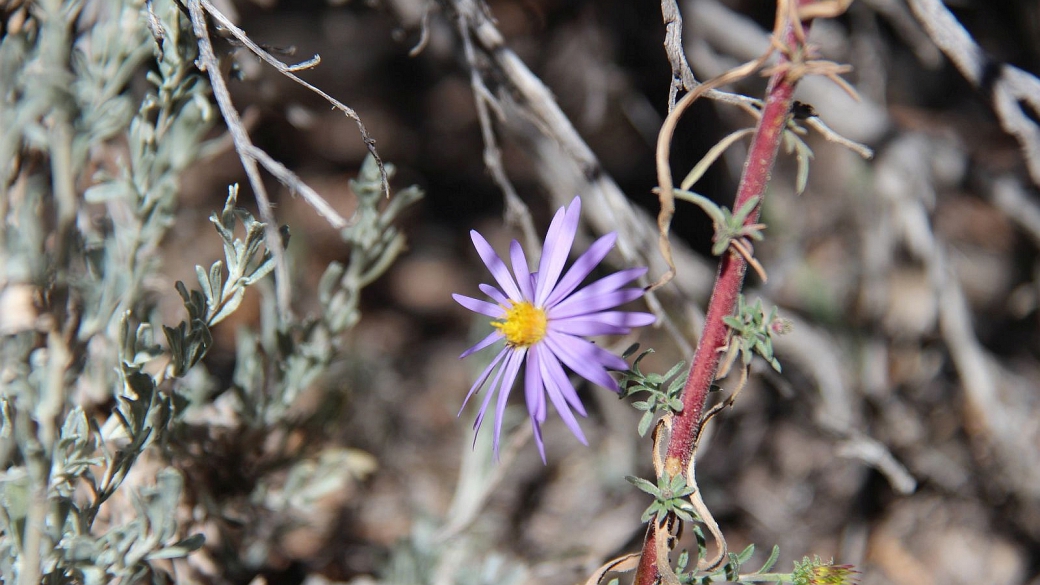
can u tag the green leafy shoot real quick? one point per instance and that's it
(793, 143)
(670, 498)
(219, 296)
(730, 571)
(754, 330)
(663, 393)
(729, 226)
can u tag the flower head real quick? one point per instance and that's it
(543, 317)
(818, 572)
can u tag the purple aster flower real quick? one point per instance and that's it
(543, 319)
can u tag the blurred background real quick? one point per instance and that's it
(902, 436)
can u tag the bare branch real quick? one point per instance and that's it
(289, 71)
(208, 62)
(1012, 89)
(516, 209)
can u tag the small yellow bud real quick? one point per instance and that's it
(817, 572)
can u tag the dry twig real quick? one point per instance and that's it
(1011, 89)
(209, 63)
(250, 154)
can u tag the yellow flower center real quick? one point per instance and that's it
(523, 325)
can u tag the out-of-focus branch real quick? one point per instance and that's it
(209, 63)
(289, 71)
(484, 101)
(992, 416)
(251, 155)
(1011, 89)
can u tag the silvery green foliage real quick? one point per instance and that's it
(302, 350)
(754, 330)
(91, 382)
(424, 558)
(273, 366)
(76, 329)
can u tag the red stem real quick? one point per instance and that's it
(728, 283)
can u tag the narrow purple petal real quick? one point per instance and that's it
(494, 293)
(582, 267)
(479, 306)
(508, 352)
(482, 378)
(538, 439)
(552, 370)
(490, 339)
(495, 265)
(561, 406)
(591, 352)
(533, 386)
(606, 284)
(558, 242)
(593, 304)
(521, 270)
(573, 352)
(603, 323)
(511, 368)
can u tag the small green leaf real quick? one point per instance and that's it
(643, 485)
(216, 279)
(262, 270)
(229, 306)
(207, 290)
(180, 549)
(745, 554)
(644, 423)
(773, 556)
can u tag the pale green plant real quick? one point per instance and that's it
(92, 382)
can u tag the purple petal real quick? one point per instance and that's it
(552, 370)
(479, 306)
(482, 378)
(561, 406)
(558, 242)
(582, 267)
(589, 351)
(511, 368)
(495, 386)
(608, 283)
(538, 439)
(593, 304)
(533, 386)
(495, 265)
(490, 339)
(494, 293)
(575, 352)
(603, 323)
(520, 269)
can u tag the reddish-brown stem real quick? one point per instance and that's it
(728, 283)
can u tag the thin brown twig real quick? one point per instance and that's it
(516, 209)
(664, 145)
(209, 63)
(290, 72)
(1012, 90)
